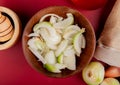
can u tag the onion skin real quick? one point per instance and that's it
(110, 81)
(112, 71)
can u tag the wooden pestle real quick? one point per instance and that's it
(108, 48)
(6, 28)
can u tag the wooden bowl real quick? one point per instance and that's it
(87, 53)
(16, 24)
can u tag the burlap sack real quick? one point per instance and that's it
(108, 48)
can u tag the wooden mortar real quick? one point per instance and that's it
(16, 26)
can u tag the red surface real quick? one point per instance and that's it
(14, 69)
(93, 4)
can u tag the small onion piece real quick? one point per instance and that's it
(47, 15)
(38, 55)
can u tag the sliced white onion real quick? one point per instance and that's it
(77, 42)
(51, 40)
(72, 27)
(69, 51)
(60, 66)
(54, 42)
(44, 34)
(53, 19)
(33, 35)
(51, 46)
(65, 23)
(31, 43)
(40, 25)
(48, 32)
(62, 46)
(50, 57)
(70, 62)
(83, 42)
(47, 15)
(38, 55)
(68, 35)
(39, 43)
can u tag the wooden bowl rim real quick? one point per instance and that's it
(32, 20)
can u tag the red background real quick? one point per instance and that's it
(14, 69)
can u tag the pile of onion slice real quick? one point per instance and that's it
(57, 42)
